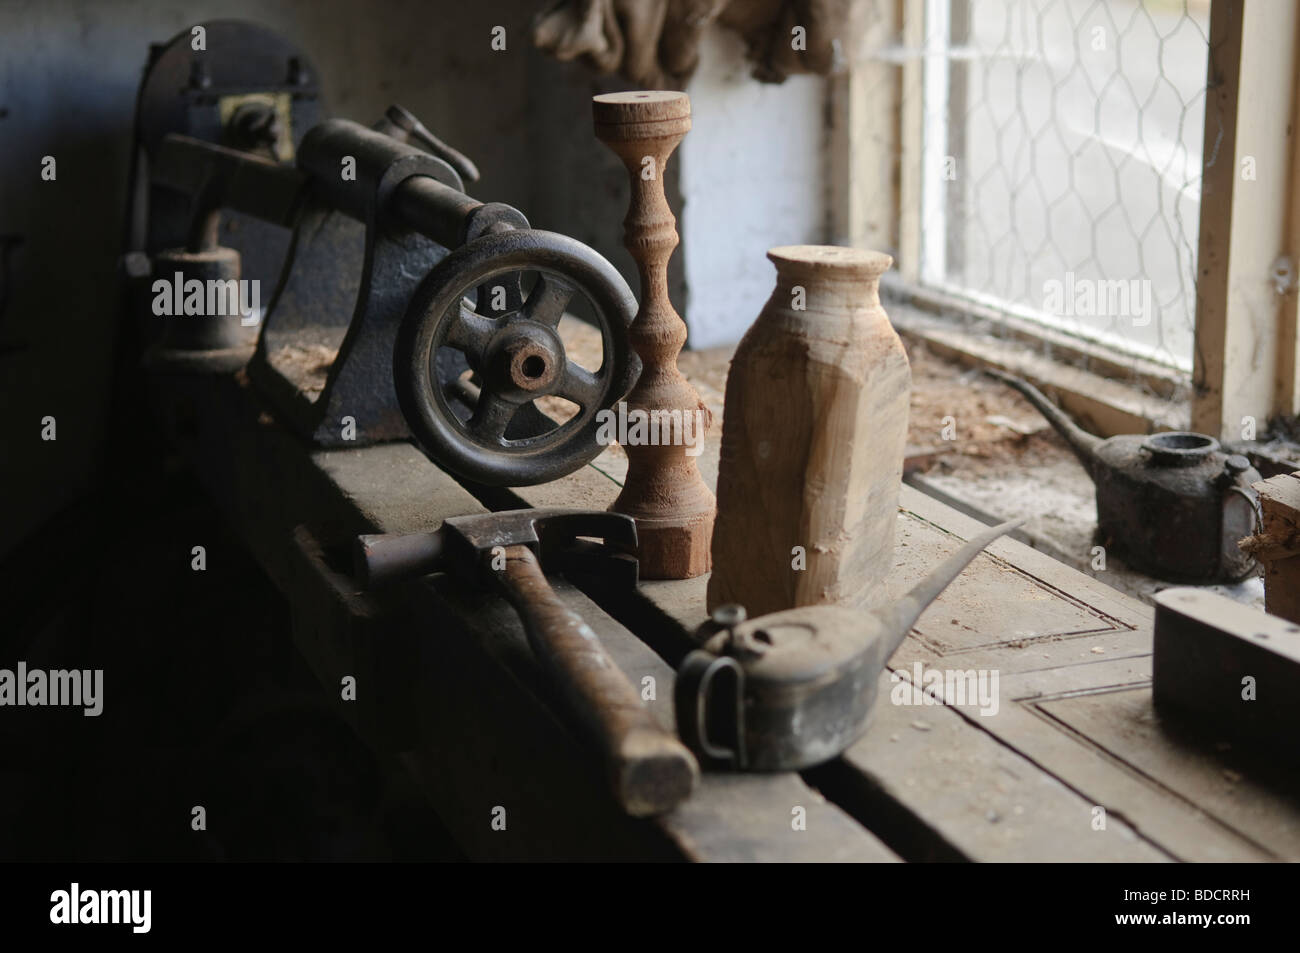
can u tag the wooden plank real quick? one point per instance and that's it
(1017, 611)
(911, 139)
(1096, 662)
(1228, 672)
(829, 835)
(1286, 396)
(953, 815)
(998, 613)
(864, 109)
(450, 666)
(1125, 725)
(1056, 576)
(1246, 192)
(1074, 635)
(1053, 635)
(1178, 824)
(552, 789)
(1214, 241)
(982, 797)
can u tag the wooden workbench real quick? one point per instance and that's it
(1074, 765)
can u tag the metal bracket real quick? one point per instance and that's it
(325, 354)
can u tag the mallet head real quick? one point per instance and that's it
(560, 538)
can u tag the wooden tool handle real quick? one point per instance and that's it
(650, 770)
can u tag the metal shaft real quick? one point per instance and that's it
(385, 558)
(433, 209)
(349, 165)
(398, 173)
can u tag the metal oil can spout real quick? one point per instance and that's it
(1081, 442)
(897, 620)
(793, 689)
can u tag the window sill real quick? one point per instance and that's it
(1108, 393)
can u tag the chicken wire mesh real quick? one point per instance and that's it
(1061, 151)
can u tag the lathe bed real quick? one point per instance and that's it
(1074, 764)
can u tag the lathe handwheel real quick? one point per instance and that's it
(516, 356)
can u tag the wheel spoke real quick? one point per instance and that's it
(491, 416)
(548, 300)
(469, 333)
(580, 386)
(491, 293)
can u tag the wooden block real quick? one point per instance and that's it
(1224, 664)
(1278, 544)
(813, 439)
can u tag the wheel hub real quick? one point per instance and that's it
(524, 360)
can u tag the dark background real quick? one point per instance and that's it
(69, 72)
(206, 701)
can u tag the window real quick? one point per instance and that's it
(1069, 188)
(1038, 167)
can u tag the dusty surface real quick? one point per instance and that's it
(983, 445)
(974, 441)
(967, 420)
(308, 366)
(1006, 461)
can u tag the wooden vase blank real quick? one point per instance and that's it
(664, 492)
(813, 436)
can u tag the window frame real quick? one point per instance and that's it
(1246, 364)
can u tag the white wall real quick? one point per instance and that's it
(752, 177)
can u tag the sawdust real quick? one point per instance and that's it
(993, 428)
(962, 419)
(308, 367)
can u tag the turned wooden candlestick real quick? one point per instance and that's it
(672, 506)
